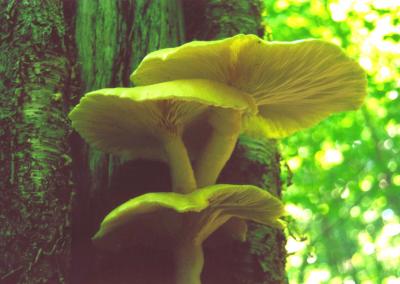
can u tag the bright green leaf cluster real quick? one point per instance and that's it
(346, 170)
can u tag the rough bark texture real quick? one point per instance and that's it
(211, 19)
(50, 54)
(35, 163)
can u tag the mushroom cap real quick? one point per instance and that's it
(161, 219)
(295, 84)
(132, 122)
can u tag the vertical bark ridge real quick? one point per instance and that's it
(36, 188)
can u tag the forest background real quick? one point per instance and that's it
(345, 193)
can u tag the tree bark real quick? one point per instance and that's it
(50, 56)
(36, 189)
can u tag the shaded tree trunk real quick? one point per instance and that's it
(36, 189)
(50, 55)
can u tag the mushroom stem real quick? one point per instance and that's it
(226, 129)
(189, 261)
(182, 175)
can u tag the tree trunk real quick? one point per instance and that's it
(50, 55)
(36, 189)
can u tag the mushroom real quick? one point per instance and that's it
(183, 222)
(294, 84)
(148, 122)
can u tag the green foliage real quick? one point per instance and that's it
(345, 201)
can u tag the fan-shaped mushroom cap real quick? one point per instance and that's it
(163, 218)
(133, 121)
(295, 84)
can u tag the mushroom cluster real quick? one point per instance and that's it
(188, 108)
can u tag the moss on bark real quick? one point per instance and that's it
(35, 174)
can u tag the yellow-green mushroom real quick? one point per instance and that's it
(149, 121)
(294, 84)
(183, 222)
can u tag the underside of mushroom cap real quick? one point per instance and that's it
(163, 218)
(295, 84)
(131, 121)
(152, 219)
(300, 84)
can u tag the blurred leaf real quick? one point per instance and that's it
(357, 191)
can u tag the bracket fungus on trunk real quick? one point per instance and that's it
(294, 84)
(148, 122)
(182, 222)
